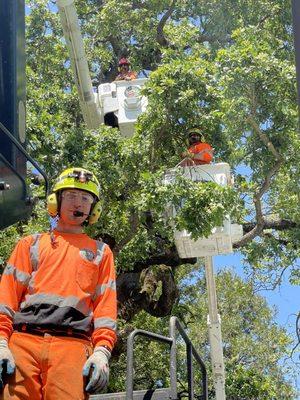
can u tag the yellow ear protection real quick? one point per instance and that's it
(95, 213)
(52, 204)
(53, 208)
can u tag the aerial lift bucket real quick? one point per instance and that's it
(221, 238)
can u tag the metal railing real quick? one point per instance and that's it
(175, 326)
(130, 341)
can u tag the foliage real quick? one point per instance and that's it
(253, 343)
(225, 66)
(212, 65)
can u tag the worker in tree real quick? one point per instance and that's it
(199, 151)
(58, 302)
(124, 71)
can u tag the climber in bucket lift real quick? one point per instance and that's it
(199, 152)
(124, 71)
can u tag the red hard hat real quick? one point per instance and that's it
(124, 61)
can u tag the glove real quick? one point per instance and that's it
(7, 362)
(96, 369)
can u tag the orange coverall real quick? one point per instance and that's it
(129, 75)
(56, 301)
(202, 153)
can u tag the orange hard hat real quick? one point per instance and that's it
(123, 61)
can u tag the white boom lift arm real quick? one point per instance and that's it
(92, 112)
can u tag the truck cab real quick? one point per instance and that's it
(15, 199)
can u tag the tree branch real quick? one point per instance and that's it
(276, 224)
(153, 290)
(281, 242)
(171, 259)
(259, 226)
(134, 221)
(160, 37)
(297, 332)
(264, 138)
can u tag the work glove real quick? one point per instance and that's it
(7, 362)
(96, 369)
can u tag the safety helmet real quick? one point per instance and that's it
(196, 131)
(76, 178)
(123, 61)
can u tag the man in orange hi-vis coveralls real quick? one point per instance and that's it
(124, 71)
(58, 302)
(199, 152)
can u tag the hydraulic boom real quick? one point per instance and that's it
(69, 20)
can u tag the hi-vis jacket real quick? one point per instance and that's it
(69, 284)
(202, 153)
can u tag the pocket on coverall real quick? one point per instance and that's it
(87, 276)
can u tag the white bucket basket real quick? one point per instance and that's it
(123, 98)
(221, 238)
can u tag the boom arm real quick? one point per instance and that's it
(91, 111)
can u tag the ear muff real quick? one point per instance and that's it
(52, 204)
(95, 213)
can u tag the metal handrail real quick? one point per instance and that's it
(191, 351)
(175, 325)
(29, 158)
(129, 374)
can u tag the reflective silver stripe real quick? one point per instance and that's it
(105, 323)
(100, 251)
(6, 310)
(59, 301)
(34, 251)
(100, 289)
(31, 283)
(18, 275)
